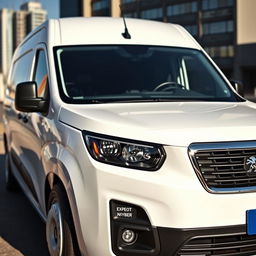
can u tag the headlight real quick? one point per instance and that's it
(125, 153)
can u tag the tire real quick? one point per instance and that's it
(60, 231)
(10, 182)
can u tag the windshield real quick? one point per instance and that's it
(119, 73)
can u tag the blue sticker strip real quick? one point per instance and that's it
(251, 222)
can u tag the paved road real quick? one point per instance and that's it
(21, 230)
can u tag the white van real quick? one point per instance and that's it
(130, 142)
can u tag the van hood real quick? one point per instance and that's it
(168, 123)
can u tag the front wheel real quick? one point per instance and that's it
(60, 232)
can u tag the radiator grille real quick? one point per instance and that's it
(224, 169)
(229, 245)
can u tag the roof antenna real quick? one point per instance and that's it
(126, 33)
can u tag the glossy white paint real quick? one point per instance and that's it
(75, 31)
(172, 196)
(177, 123)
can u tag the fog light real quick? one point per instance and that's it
(128, 236)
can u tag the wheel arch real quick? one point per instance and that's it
(53, 179)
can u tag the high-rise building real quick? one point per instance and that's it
(36, 15)
(223, 27)
(31, 6)
(6, 40)
(14, 26)
(25, 20)
(19, 27)
(89, 8)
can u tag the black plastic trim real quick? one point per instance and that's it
(171, 240)
(147, 239)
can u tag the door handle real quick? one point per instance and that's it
(20, 116)
(25, 119)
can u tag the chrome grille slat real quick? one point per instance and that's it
(191, 249)
(224, 172)
(221, 166)
(223, 244)
(234, 180)
(223, 157)
(224, 165)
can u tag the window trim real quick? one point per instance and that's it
(40, 47)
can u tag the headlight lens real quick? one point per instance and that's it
(121, 152)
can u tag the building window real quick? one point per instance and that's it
(217, 13)
(131, 15)
(100, 5)
(128, 1)
(230, 26)
(213, 4)
(152, 13)
(192, 29)
(220, 51)
(231, 51)
(179, 9)
(218, 27)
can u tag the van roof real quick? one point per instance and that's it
(102, 30)
(106, 30)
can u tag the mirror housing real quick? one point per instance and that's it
(238, 86)
(26, 99)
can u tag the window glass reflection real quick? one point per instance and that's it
(220, 51)
(179, 9)
(213, 4)
(218, 27)
(192, 29)
(99, 5)
(152, 13)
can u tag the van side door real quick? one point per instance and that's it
(34, 129)
(15, 120)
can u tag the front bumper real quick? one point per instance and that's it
(162, 241)
(174, 201)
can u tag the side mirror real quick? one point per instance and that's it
(26, 99)
(238, 86)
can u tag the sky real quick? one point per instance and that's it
(52, 6)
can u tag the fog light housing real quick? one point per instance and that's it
(128, 236)
(131, 231)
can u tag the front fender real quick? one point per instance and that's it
(59, 161)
